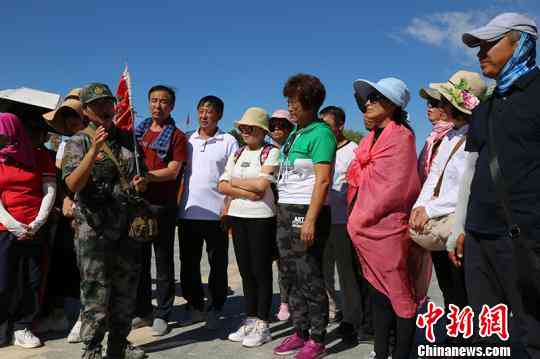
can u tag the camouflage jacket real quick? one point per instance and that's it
(103, 204)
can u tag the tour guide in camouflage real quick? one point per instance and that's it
(109, 261)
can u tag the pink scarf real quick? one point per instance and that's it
(20, 148)
(384, 179)
(440, 129)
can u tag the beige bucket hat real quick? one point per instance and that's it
(254, 116)
(70, 107)
(464, 90)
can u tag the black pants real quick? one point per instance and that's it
(20, 278)
(491, 279)
(384, 319)
(302, 270)
(356, 303)
(451, 279)
(192, 234)
(164, 253)
(254, 245)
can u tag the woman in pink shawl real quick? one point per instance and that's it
(383, 185)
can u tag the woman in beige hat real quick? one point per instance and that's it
(433, 213)
(248, 177)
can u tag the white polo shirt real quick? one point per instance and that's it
(205, 164)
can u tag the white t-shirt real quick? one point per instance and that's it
(337, 196)
(248, 166)
(205, 164)
(60, 151)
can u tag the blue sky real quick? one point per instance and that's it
(241, 51)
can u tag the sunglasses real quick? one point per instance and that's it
(278, 123)
(434, 103)
(248, 130)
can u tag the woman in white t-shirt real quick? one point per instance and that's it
(248, 178)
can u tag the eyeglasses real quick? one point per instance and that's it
(278, 123)
(248, 130)
(434, 103)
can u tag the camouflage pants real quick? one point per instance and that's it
(302, 269)
(110, 270)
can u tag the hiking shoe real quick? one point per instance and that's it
(289, 345)
(192, 316)
(74, 335)
(212, 319)
(24, 338)
(348, 333)
(311, 350)
(258, 336)
(283, 313)
(160, 327)
(140, 322)
(247, 326)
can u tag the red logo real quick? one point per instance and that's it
(429, 319)
(494, 320)
(461, 322)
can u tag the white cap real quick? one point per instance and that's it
(499, 26)
(46, 100)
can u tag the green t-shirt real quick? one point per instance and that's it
(304, 148)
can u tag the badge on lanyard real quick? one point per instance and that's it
(244, 164)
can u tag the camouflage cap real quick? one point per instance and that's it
(95, 91)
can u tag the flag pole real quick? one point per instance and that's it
(135, 144)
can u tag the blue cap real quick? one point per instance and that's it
(392, 88)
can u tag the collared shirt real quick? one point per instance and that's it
(516, 125)
(446, 202)
(206, 160)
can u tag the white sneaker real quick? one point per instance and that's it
(193, 316)
(75, 333)
(26, 339)
(212, 319)
(258, 336)
(243, 331)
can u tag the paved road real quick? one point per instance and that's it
(196, 341)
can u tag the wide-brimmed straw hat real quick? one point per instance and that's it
(464, 90)
(430, 94)
(69, 108)
(254, 116)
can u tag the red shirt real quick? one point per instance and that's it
(163, 193)
(21, 189)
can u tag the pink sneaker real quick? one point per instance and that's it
(311, 350)
(283, 313)
(289, 345)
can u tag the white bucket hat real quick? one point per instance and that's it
(254, 116)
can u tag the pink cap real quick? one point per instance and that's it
(281, 113)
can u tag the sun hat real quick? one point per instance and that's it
(39, 100)
(498, 27)
(464, 90)
(71, 105)
(284, 114)
(392, 88)
(254, 116)
(430, 94)
(95, 91)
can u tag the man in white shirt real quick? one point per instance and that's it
(200, 210)
(339, 248)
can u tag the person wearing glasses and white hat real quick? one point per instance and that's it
(499, 211)
(383, 185)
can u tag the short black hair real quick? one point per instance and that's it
(308, 89)
(337, 112)
(213, 101)
(169, 90)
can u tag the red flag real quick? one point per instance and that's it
(124, 113)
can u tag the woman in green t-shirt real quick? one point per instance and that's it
(303, 215)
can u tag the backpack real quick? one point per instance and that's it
(262, 158)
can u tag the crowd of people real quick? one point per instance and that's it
(83, 222)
